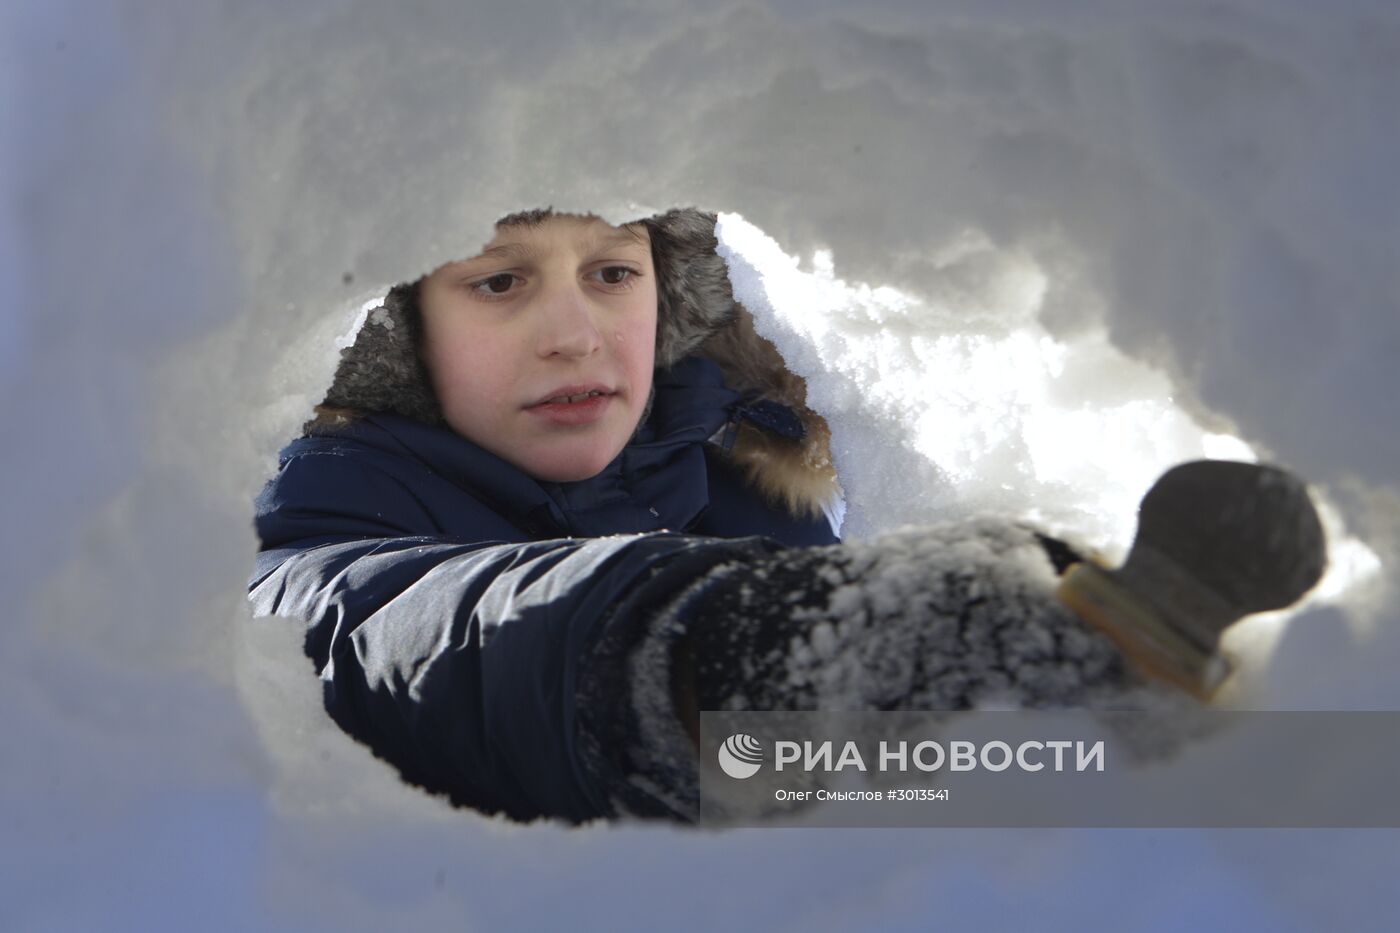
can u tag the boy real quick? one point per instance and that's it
(560, 497)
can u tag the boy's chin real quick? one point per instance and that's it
(571, 466)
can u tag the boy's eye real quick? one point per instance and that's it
(497, 284)
(614, 275)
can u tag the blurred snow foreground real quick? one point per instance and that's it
(1029, 254)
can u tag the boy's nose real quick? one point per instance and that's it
(567, 327)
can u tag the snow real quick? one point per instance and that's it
(1044, 249)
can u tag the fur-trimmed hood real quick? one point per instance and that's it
(382, 370)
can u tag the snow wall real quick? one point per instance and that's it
(1043, 250)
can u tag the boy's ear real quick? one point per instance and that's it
(693, 297)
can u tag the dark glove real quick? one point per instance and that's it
(928, 618)
(939, 618)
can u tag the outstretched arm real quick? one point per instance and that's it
(457, 661)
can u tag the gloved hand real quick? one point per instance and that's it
(939, 618)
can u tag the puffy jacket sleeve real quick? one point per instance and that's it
(457, 661)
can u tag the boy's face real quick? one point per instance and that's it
(564, 307)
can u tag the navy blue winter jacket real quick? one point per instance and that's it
(451, 599)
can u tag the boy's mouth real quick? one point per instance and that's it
(561, 399)
(572, 395)
(573, 409)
